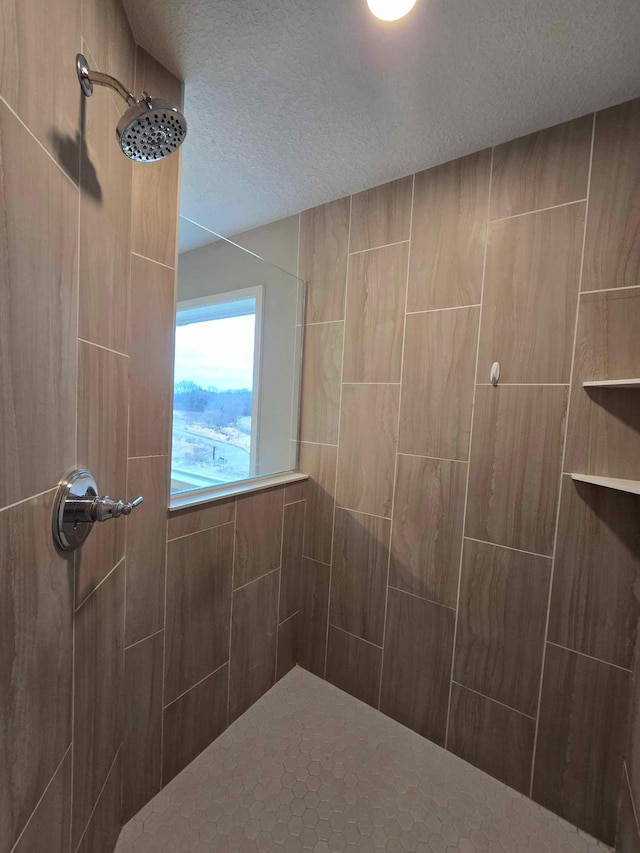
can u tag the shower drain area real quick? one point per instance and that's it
(310, 768)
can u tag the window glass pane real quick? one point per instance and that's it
(213, 394)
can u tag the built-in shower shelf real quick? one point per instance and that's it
(613, 383)
(632, 486)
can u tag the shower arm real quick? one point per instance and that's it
(87, 79)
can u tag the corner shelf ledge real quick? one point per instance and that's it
(612, 383)
(632, 486)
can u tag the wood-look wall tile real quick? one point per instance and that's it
(542, 169)
(102, 449)
(319, 462)
(151, 330)
(294, 492)
(36, 607)
(375, 315)
(627, 833)
(49, 827)
(417, 664)
(146, 547)
(438, 383)
(98, 692)
(581, 740)
(381, 215)
(105, 231)
(194, 721)
(321, 372)
(154, 208)
(450, 208)
(354, 666)
(324, 243)
(501, 624)
(44, 36)
(594, 609)
(603, 432)
(254, 626)
(142, 736)
(38, 267)
(531, 296)
(515, 466)
(195, 519)
(292, 541)
(368, 440)
(612, 246)
(428, 516)
(104, 827)
(106, 31)
(632, 755)
(288, 638)
(359, 579)
(491, 737)
(199, 570)
(314, 613)
(258, 535)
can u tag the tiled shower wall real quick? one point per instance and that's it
(454, 575)
(111, 679)
(87, 256)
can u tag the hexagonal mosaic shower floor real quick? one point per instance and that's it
(310, 768)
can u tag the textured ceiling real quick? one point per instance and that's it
(291, 103)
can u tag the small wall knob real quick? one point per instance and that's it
(77, 506)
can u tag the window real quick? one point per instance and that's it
(216, 390)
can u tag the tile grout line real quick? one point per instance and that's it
(164, 647)
(491, 699)
(95, 805)
(627, 780)
(539, 209)
(375, 248)
(41, 145)
(152, 260)
(107, 349)
(259, 578)
(507, 547)
(468, 478)
(193, 686)
(30, 498)
(610, 289)
(198, 532)
(335, 485)
(42, 796)
(396, 454)
(275, 663)
(233, 572)
(355, 636)
(562, 461)
(361, 512)
(284, 621)
(448, 308)
(143, 639)
(434, 458)
(590, 657)
(97, 586)
(421, 597)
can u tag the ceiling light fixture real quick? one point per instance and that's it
(391, 10)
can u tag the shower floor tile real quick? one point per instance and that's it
(310, 768)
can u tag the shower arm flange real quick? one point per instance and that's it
(87, 79)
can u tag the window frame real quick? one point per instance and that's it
(204, 493)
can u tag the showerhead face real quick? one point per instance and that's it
(151, 129)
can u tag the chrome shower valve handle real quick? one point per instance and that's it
(104, 508)
(78, 506)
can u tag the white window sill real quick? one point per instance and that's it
(217, 493)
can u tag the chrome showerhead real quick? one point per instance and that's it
(150, 129)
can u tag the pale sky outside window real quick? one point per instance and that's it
(216, 353)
